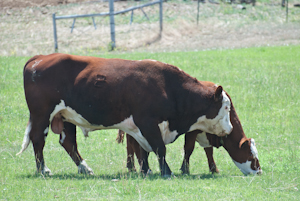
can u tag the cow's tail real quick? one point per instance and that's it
(120, 137)
(26, 139)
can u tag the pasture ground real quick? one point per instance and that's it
(264, 85)
(262, 81)
(26, 27)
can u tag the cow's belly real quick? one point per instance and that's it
(127, 125)
(167, 135)
(202, 140)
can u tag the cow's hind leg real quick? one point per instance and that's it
(211, 163)
(189, 145)
(38, 131)
(68, 141)
(130, 153)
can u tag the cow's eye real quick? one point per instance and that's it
(226, 108)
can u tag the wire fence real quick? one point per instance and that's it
(111, 15)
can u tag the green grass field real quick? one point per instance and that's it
(264, 86)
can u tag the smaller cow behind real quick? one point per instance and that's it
(241, 149)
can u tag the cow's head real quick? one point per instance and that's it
(217, 119)
(244, 154)
(241, 149)
(249, 152)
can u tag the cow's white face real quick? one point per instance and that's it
(224, 126)
(220, 125)
(246, 166)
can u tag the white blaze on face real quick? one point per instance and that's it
(253, 149)
(224, 113)
(220, 125)
(246, 167)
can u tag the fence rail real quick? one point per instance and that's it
(111, 13)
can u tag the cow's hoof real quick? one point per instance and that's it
(149, 172)
(185, 171)
(131, 169)
(168, 176)
(45, 171)
(83, 168)
(185, 168)
(214, 171)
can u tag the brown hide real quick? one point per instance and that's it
(105, 92)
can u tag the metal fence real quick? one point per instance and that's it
(111, 14)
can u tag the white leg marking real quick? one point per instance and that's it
(84, 168)
(46, 171)
(63, 136)
(26, 139)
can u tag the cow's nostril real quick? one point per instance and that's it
(259, 172)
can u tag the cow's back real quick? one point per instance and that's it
(115, 88)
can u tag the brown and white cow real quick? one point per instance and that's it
(152, 101)
(241, 149)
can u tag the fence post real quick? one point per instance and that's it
(287, 10)
(112, 24)
(54, 32)
(161, 16)
(198, 12)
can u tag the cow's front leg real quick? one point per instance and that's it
(211, 163)
(164, 167)
(151, 132)
(144, 165)
(189, 145)
(68, 141)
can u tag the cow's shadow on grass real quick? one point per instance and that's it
(121, 176)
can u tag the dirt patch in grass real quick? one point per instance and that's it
(26, 27)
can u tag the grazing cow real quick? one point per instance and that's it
(241, 149)
(152, 101)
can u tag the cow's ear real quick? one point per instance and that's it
(218, 93)
(244, 141)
